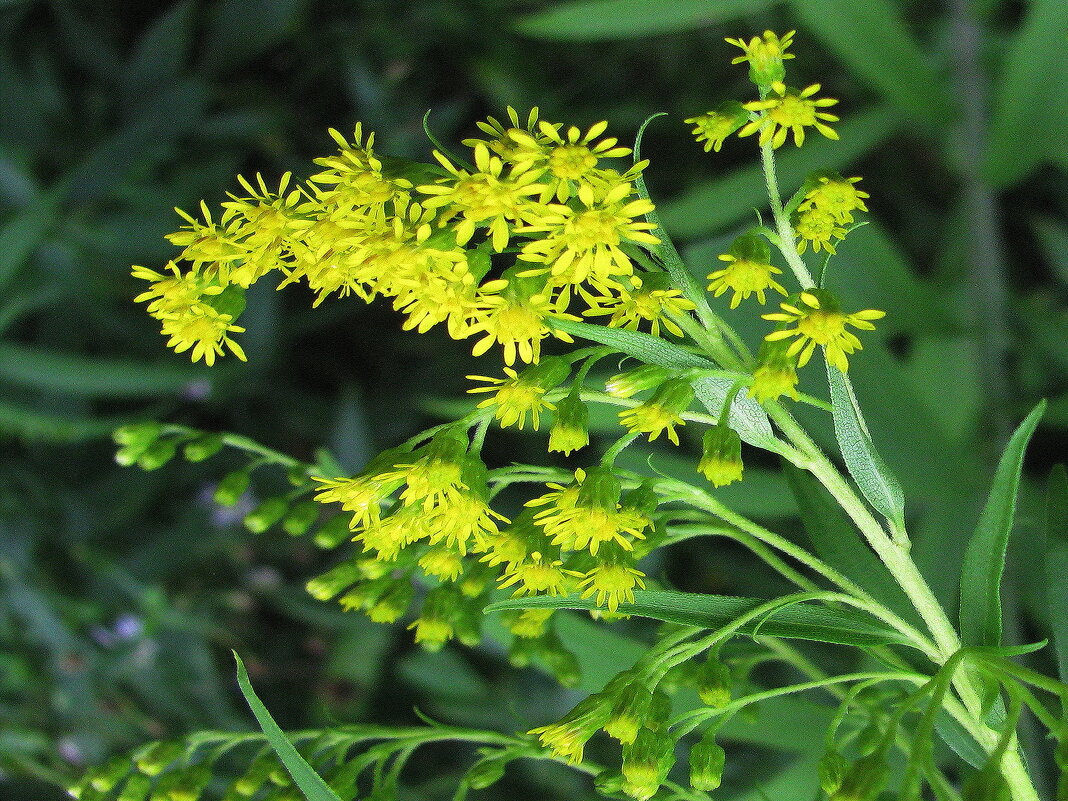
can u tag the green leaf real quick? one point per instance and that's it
(837, 542)
(67, 373)
(710, 207)
(873, 42)
(842, 626)
(746, 416)
(1057, 564)
(865, 465)
(598, 20)
(309, 782)
(1032, 76)
(984, 560)
(161, 51)
(21, 235)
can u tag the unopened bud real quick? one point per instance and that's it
(231, 488)
(157, 454)
(624, 385)
(300, 517)
(154, 759)
(332, 533)
(832, 769)
(629, 712)
(646, 763)
(203, 447)
(486, 772)
(706, 765)
(266, 515)
(714, 683)
(721, 462)
(333, 581)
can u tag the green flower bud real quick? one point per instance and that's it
(136, 788)
(434, 626)
(714, 683)
(486, 772)
(104, 778)
(137, 435)
(157, 454)
(624, 385)
(300, 517)
(722, 460)
(629, 711)
(266, 515)
(832, 769)
(706, 764)
(333, 532)
(522, 651)
(864, 780)
(646, 763)
(255, 775)
(776, 372)
(643, 498)
(231, 488)
(659, 711)
(393, 603)
(561, 662)
(600, 489)
(609, 783)
(154, 759)
(190, 784)
(203, 447)
(571, 426)
(326, 586)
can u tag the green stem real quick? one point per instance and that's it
(787, 240)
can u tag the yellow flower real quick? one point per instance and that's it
(818, 320)
(790, 110)
(583, 244)
(512, 313)
(208, 243)
(362, 495)
(765, 55)
(175, 293)
(522, 394)
(721, 462)
(748, 271)
(654, 300)
(571, 428)
(818, 228)
(836, 196)
(355, 180)
(537, 575)
(776, 373)
(487, 197)
(442, 562)
(567, 737)
(713, 127)
(613, 581)
(502, 141)
(202, 329)
(661, 412)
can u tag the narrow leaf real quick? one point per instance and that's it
(865, 465)
(309, 782)
(1057, 564)
(598, 20)
(802, 622)
(897, 67)
(984, 560)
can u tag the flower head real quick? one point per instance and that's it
(713, 127)
(790, 110)
(749, 271)
(721, 462)
(661, 413)
(571, 428)
(776, 372)
(818, 228)
(654, 300)
(567, 737)
(613, 579)
(765, 55)
(204, 330)
(836, 196)
(522, 394)
(818, 320)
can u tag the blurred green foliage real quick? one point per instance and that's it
(122, 591)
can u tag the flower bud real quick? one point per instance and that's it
(646, 763)
(609, 783)
(624, 385)
(104, 778)
(137, 435)
(300, 517)
(231, 488)
(714, 683)
(393, 603)
(629, 711)
(486, 772)
(659, 711)
(136, 788)
(434, 626)
(864, 780)
(706, 764)
(832, 769)
(571, 426)
(561, 662)
(189, 785)
(157, 454)
(266, 515)
(722, 460)
(333, 532)
(333, 581)
(255, 775)
(203, 447)
(154, 759)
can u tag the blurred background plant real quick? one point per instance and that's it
(121, 591)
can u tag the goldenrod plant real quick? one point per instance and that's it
(538, 243)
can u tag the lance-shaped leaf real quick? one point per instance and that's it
(746, 415)
(984, 560)
(310, 783)
(865, 465)
(1057, 564)
(798, 621)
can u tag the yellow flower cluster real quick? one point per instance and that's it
(493, 250)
